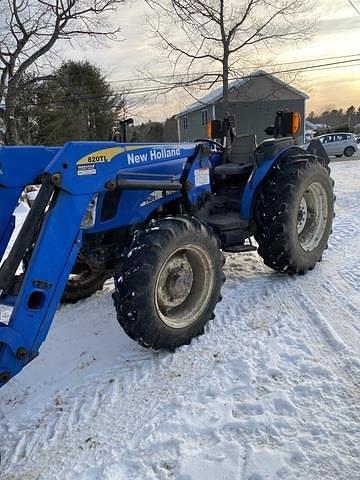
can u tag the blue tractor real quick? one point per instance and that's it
(157, 218)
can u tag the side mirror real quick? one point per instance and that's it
(286, 124)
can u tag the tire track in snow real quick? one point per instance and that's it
(78, 406)
(137, 435)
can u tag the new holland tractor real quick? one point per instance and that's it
(157, 218)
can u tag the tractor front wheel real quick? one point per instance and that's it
(169, 284)
(294, 214)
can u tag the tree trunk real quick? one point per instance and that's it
(226, 83)
(11, 131)
(226, 96)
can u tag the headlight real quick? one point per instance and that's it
(90, 215)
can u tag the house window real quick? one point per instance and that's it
(185, 123)
(204, 118)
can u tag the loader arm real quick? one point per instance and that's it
(70, 178)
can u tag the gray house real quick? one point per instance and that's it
(254, 102)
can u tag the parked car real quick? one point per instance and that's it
(339, 144)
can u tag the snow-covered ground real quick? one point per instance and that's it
(270, 392)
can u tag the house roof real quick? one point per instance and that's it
(310, 125)
(217, 94)
(315, 126)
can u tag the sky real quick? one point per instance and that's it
(337, 33)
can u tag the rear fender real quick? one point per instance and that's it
(259, 175)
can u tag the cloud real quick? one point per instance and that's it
(339, 25)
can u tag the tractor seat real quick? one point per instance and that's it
(241, 157)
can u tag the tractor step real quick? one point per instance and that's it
(223, 202)
(230, 228)
(240, 249)
(227, 221)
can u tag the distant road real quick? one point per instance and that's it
(356, 156)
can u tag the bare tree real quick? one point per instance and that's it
(211, 40)
(29, 29)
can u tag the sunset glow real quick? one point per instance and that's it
(337, 34)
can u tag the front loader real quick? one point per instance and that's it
(157, 218)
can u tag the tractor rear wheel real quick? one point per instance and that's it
(169, 284)
(294, 215)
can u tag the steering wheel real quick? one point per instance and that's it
(212, 142)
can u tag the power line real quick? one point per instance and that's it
(169, 87)
(328, 66)
(325, 66)
(354, 7)
(315, 67)
(175, 75)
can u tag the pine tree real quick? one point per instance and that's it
(76, 104)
